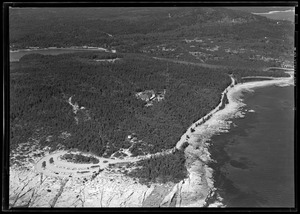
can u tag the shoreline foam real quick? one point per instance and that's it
(213, 123)
(191, 192)
(56, 48)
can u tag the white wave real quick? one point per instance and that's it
(217, 204)
(219, 122)
(285, 84)
(275, 11)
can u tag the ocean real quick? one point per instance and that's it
(254, 162)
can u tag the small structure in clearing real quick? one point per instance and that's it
(151, 96)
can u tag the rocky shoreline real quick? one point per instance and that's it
(62, 48)
(195, 190)
(29, 188)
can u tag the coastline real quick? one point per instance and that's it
(194, 191)
(15, 55)
(67, 48)
(253, 162)
(199, 186)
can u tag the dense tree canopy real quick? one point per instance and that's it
(76, 101)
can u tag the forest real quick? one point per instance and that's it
(41, 85)
(133, 29)
(79, 158)
(161, 169)
(104, 108)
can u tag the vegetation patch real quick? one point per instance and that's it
(83, 172)
(79, 158)
(153, 98)
(162, 169)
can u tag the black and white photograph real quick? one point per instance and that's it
(166, 105)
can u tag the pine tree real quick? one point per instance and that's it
(51, 160)
(44, 164)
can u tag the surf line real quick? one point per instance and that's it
(185, 137)
(200, 180)
(198, 186)
(227, 98)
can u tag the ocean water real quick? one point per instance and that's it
(254, 161)
(15, 56)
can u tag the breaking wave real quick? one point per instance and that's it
(275, 11)
(219, 123)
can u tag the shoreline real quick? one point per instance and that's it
(193, 191)
(61, 48)
(199, 186)
(254, 143)
(15, 55)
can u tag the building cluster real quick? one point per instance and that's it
(150, 96)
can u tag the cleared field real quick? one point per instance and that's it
(63, 168)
